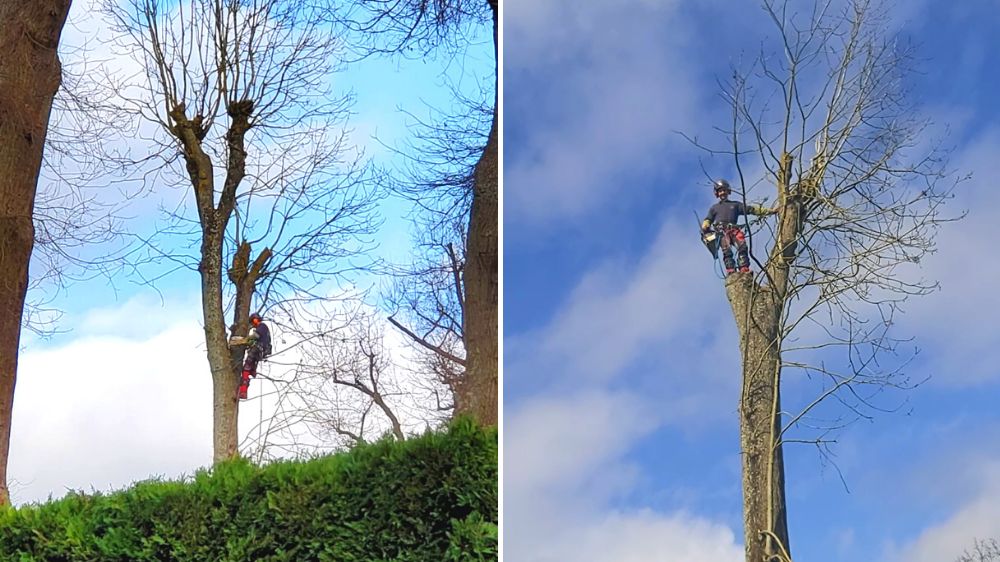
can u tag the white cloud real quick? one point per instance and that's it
(663, 322)
(954, 322)
(644, 536)
(291, 411)
(670, 306)
(556, 444)
(104, 411)
(563, 465)
(129, 397)
(619, 88)
(977, 518)
(140, 317)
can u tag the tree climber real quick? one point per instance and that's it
(722, 217)
(259, 341)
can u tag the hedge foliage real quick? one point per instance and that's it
(430, 498)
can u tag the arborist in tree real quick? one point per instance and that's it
(259, 341)
(721, 219)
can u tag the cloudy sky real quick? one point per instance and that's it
(122, 392)
(621, 368)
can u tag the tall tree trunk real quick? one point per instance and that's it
(758, 310)
(30, 74)
(757, 314)
(223, 362)
(220, 362)
(225, 374)
(478, 393)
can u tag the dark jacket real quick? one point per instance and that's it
(728, 212)
(263, 338)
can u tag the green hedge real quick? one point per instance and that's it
(431, 498)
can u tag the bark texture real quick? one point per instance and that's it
(30, 74)
(478, 393)
(757, 318)
(758, 306)
(224, 362)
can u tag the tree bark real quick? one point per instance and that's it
(758, 310)
(225, 375)
(478, 394)
(224, 362)
(30, 74)
(757, 314)
(244, 276)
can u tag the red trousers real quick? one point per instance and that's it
(733, 236)
(244, 384)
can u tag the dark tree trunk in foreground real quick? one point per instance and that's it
(30, 74)
(477, 394)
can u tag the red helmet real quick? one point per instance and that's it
(254, 317)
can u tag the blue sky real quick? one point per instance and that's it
(384, 90)
(620, 366)
(124, 394)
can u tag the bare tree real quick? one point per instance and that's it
(427, 301)
(828, 120)
(982, 551)
(29, 78)
(430, 300)
(240, 94)
(354, 362)
(78, 217)
(393, 27)
(409, 385)
(349, 384)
